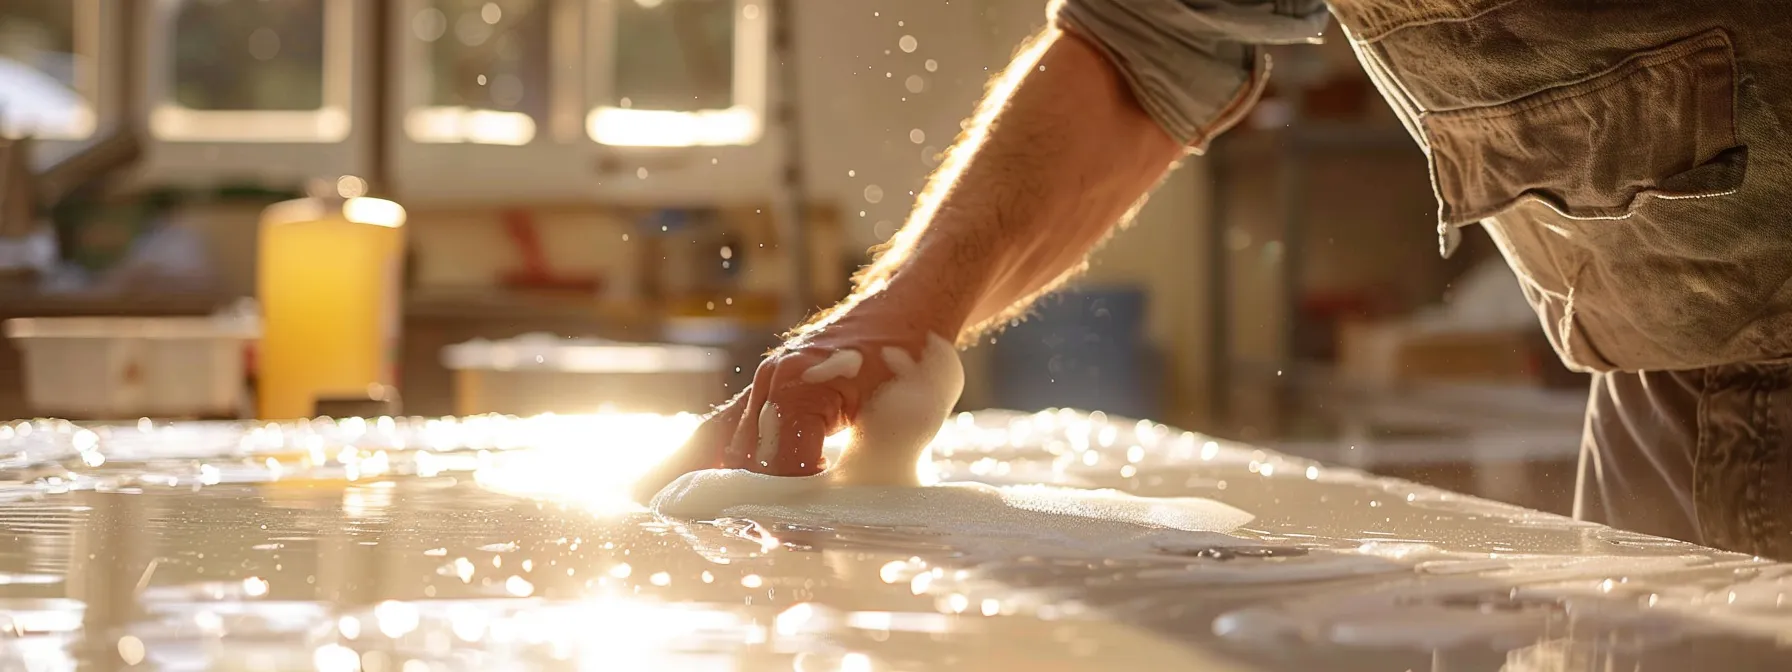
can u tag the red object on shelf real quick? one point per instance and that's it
(536, 274)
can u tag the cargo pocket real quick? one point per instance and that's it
(1661, 124)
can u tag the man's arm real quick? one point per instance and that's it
(1058, 153)
(1068, 140)
(1056, 156)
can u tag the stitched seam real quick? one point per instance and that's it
(1673, 53)
(1701, 455)
(1590, 85)
(1434, 16)
(1591, 214)
(1754, 515)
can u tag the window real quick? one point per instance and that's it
(260, 55)
(680, 73)
(254, 70)
(47, 62)
(675, 55)
(488, 73)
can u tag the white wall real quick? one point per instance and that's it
(858, 119)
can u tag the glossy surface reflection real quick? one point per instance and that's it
(500, 543)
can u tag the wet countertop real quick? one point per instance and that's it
(501, 543)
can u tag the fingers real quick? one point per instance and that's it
(778, 425)
(806, 415)
(744, 437)
(787, 415)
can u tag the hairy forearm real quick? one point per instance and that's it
(1057, 155)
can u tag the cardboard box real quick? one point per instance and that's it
(1393, 353)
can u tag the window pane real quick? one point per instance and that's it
(249, 54)
(38, 91)
(489, 55)
(674, 55)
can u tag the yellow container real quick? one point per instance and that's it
(329, 283)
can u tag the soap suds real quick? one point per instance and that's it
(841, 364)
(889, 441)
(976, 520)
(895, 426)
(874, 483)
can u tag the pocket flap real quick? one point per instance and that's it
(1661, 124)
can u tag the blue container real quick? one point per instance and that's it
(1084, 349)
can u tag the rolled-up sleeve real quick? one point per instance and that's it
(1194, 65)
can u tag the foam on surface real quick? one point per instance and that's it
(979, 519)
(877, 481)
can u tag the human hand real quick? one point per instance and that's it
(821, 382)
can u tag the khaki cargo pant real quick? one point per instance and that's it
(1703, 455)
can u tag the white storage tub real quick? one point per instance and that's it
(121, 368)
(544, 373)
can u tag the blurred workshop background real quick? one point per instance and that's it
(274, 208)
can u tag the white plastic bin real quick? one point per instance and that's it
(543, 373)
(121, 368)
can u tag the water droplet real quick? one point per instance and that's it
(908, 43)
(429, 24)
(931, 65)
(130, 649)
(917, 136)
(874, 194)
(914, 83)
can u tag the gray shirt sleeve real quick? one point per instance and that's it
(1194, 65)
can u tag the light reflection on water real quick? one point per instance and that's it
(502, 543)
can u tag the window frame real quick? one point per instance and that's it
(416, 114)
(329, 123)
(742, 124)
(258, 145)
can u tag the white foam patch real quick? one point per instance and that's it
(841, 364)
(877, 481)
(979, 519)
